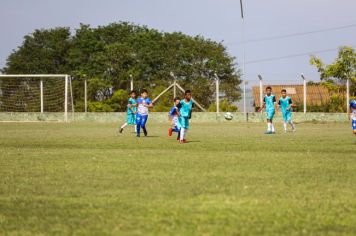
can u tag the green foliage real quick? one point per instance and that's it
(108, 55)
(118, 101)
(343, 68)
(334, 77)
(224, 106)
(99, 106)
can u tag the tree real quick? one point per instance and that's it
(343, 68)
(107, 55)
(335, 75)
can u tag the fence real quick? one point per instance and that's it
(307, 95)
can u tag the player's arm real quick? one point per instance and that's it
(149, 105)
(179, 106)
(291, 104)
(278, 105)
(275, 104)
(191, 111)
(129, 105)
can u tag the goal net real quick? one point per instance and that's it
(36, 96)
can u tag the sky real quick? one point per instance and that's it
(219, 20)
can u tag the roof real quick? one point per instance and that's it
(316, 94)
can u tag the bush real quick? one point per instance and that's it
(99, 107)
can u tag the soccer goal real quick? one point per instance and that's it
(31, 97)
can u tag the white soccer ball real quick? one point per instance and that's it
(228, 116)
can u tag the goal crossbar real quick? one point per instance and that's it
(33, 75)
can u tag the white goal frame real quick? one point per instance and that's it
(67, 83)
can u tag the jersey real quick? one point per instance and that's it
(131, 102)
(141, 109)
(185, 108)
(269, 101)
(173, 113)
(285, 103)
(353, 109)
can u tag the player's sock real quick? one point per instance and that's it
(285, 126)
(269, 127)
(272, 128)
(182, 130)
(135, 128)
(124, 125)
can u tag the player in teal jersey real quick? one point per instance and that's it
(285, 104)
(184, 112)
(269, 103)
(131, 111)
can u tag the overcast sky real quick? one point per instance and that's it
(216, 19)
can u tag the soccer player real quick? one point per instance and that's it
(131, 111)
(173, 118)
(285, 104)
(143, 103)
(185, 113)
(353, 113)
(269, 102)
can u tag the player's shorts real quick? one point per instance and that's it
(270, 114)
(183, 122)
(354, 124)
(176, 129)
(141, 120)
(287, 116)
(131, 119)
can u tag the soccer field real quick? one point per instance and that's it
(231, 179)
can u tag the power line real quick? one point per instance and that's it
(295, 34)
(290, 56)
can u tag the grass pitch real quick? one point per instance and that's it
(231, 179)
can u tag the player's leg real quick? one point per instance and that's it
(285, 121)
(138, 124)
(354, 126)
(182, 128)
(269, 126)
(122, 127)
(272, 125)
(143, 124)
(289, 119)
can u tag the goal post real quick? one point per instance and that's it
(36, 93)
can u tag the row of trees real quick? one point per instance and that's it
(108, 55)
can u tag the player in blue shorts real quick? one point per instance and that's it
(131, 111)
(353, 113)
(269, 103)
(173, 118)
(285, 104)
(143, 103)
(185, 113)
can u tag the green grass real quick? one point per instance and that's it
(84, 179)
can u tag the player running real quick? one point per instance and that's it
(285, 104)
(143, 103)
(185, 113)
(269, 102)
(131, 111)
(173, 118)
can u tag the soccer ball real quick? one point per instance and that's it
(228, 116)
